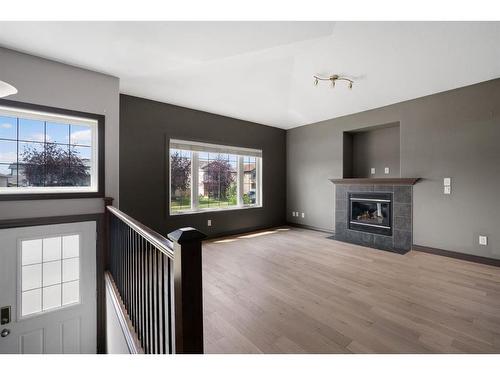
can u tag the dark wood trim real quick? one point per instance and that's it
(100, 151)
(455, 255)
(100, 250)
(49, 220)
(127, 328)
(375, 181)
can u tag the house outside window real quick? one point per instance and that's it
(47, 153)
(206, 177)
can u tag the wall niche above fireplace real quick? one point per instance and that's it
(375, 147)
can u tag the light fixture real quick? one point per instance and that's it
(333, 78)
(6, 89)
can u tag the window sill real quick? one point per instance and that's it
(203, 210)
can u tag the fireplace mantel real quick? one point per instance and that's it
(375, 181)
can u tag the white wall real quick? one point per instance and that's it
(115, 339)
(46, 82)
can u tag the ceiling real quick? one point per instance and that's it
(262, 71)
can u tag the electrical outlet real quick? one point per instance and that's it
(483, 240)
(209, 222)
(303, 215)
(372, 171)
(447, 190)
(386, 170)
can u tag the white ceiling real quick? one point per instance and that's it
(262, 71)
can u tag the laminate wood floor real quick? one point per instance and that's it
(291, 290)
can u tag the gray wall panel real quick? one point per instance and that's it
(146, 127)
(53, 84)
(451, 134)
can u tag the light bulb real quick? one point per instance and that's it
(350, 85)
(316, 82)
(333, 83)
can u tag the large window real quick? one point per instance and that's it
(44, 152)
(213, 177)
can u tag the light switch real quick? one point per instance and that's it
(372, 171)
(386, 170)
(209, 222)
(447, 181)
(483, 240)
(303, 215)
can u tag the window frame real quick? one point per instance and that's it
(224, 149)
(61, 192)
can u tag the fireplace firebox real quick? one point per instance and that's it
(370, 212)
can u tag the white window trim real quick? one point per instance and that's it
(54, 117)
(195, 148)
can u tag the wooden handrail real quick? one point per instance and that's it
(157, 240)
(159, 284)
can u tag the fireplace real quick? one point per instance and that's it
(370, 212)
(375, 212)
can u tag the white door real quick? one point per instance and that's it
(48, 278)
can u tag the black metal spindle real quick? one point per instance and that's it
(152, 296)
(136, 283)
(155, 286)
(157, 304)
(151, 299)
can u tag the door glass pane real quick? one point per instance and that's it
(52, 273)
(32, 277)
(71, 245)
(51, 297)
(31, 301)
(51, 249)
(71, 292)
(71, 269)
(31, 252)
(47, 280)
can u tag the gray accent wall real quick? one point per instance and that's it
(50, 83)
(145, 129)
(451, 134)
(376, 148)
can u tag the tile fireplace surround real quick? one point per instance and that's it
(402, 200)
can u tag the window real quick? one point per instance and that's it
(43, 152)
(213, 177)
(50, 273)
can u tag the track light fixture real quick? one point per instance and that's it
(333, 78)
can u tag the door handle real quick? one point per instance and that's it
(5, 332)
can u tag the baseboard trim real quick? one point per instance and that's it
(236, 232)
(304, 226)
(455, 255)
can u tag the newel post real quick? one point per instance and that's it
(188, 292)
